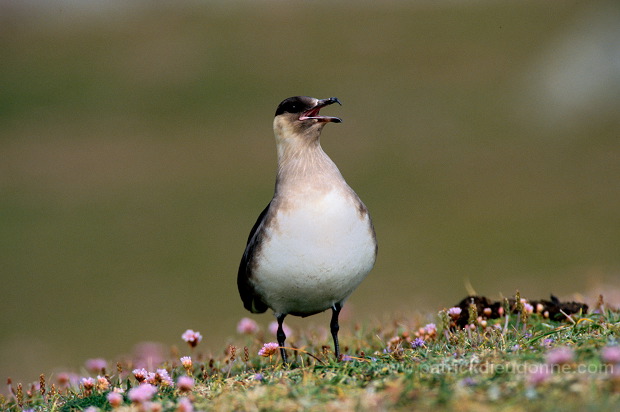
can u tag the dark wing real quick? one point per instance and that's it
(251, 300)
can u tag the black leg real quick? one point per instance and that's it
(281, 337)
(335, 327)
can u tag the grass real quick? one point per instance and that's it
(517, 362)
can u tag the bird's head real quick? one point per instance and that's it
(299, 116)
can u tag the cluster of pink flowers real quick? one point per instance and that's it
(149, 382)
(269, 349)
(143, 393)
(163, 378)
(192, 338)
(142, 396)
(160, 377)
(428, 332)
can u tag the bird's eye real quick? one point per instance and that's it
(290, 105)
(292, 108)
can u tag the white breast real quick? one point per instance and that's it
(315, 253)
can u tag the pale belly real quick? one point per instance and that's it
(314, 256)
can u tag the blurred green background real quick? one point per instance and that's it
(136, 151)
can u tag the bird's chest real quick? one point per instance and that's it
(318, 235)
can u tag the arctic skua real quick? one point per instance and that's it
(314, 243)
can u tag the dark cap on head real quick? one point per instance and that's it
(297, 104)
(308, 108)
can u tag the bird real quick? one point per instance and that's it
(315, 241)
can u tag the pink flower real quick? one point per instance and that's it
(140, 374)
(528, 308)
(102, 383)
(611, 354)
(273, 329)
(269, 349)
(192, 338)
(184, 405)
(88, 383)
(96, 365)
(186, 361)
(151, 378)
(63, 379)
(142, 393)
(428, 332)
(115, 399)
(430, 329)
(185, 383)
(66, 379)
(454, 312)
(559, 356)
(247, 326)
(538, 374)
(163, 378)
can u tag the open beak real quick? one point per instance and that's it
(314, 112)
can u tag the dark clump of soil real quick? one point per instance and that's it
(553, 309)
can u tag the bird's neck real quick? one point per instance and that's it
(305, 163)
